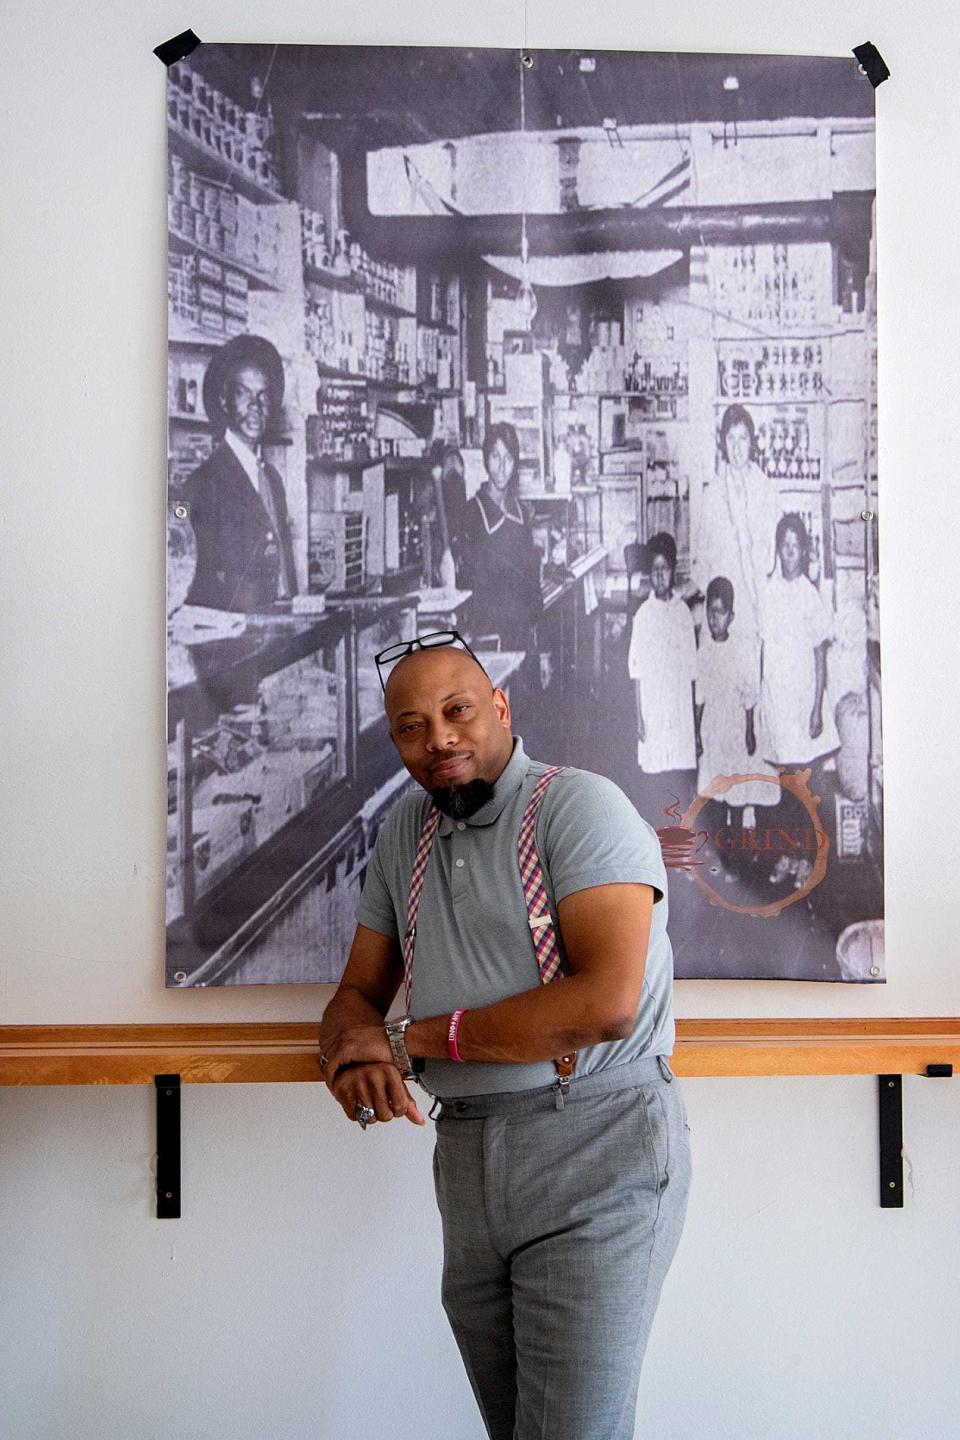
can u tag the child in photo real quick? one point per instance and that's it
(662, 664)
(727, 694)
(796, 629)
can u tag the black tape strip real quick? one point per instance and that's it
(173, 50)
(872, 62)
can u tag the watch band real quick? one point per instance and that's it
(396, 1029)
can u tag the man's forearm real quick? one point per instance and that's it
(348, 1007)
(539, 1024)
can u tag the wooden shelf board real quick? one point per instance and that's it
(217, 168)
(287, 1052)
(333, 278)
(389, 307)
(184, 245)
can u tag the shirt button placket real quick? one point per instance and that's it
(459, 870)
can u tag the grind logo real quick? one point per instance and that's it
(784, 851)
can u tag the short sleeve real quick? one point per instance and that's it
(376, 909)
(591, 834)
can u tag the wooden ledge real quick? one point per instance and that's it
(258, 1053)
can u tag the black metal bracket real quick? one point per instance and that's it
(890, 1104)
(890, 1109)
(168, 1146)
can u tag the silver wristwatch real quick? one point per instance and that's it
(396, 1029)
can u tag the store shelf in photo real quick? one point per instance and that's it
(331, 372)
(728, 327)
(256, 277)
(389, 308)
(334, 279)
(366, 462)
(203, 339)
(218, 168)
(625, 395)
(782, 402)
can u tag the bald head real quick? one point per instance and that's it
(437, 666)
(449, 723)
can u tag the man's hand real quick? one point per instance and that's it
(355, 1045)
(378, 1086)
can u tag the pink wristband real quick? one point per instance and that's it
(452, 1029)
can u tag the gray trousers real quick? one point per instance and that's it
(559, 1226)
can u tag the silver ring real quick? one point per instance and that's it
(364, 1115)
(323, 1062)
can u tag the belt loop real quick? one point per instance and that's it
(665, 1070)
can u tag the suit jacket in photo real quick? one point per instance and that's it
(238, 552)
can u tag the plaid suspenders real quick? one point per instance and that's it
(542, 929)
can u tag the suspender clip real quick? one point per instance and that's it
(562, 1086)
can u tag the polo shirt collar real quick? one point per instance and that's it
(511, 778)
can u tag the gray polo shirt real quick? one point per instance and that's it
(473, 939)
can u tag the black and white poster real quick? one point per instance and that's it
(574, 353)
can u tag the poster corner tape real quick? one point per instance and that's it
(178, 48)
(871, 63)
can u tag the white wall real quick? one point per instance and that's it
(298, 1295)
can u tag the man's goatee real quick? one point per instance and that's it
(459, 801)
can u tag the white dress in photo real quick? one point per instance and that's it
(795, 619)
(728, 685)
(663, 657)
(736, 537)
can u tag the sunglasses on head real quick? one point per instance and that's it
(396, 652)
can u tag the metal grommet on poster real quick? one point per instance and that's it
(181, 511)
(526, 61)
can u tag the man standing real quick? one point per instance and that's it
(522, 910)
(235, 498)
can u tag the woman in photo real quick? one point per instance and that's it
(499, 562)
(739, 510)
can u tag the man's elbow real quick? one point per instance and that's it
(620, 1028)
(615, 1025)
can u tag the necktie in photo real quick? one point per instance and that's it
(284, 580)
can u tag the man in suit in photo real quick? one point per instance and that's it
(236, 500)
